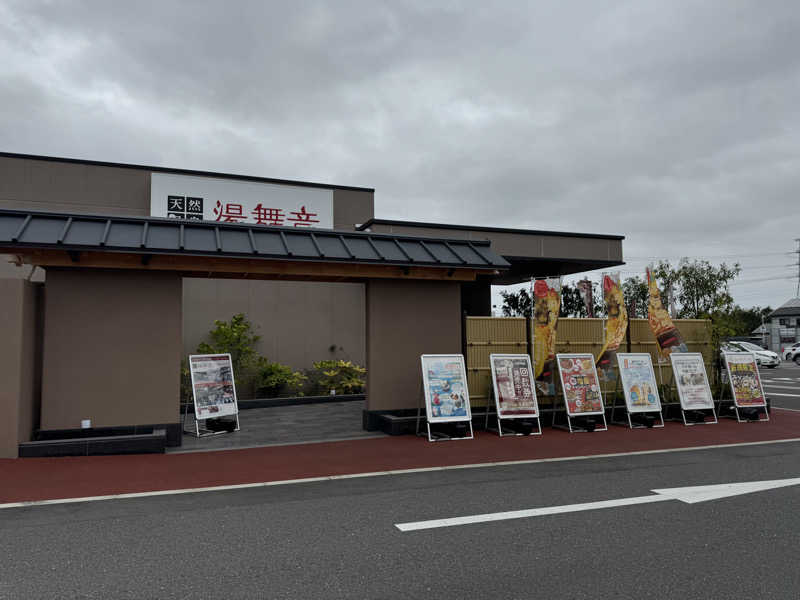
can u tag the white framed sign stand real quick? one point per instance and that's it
(573, 414)
(494, 393)
(213, 393)
(702, 405)
(749, 359)
(646, 379)
(445, 395)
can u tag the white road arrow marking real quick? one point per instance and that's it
(690, 495)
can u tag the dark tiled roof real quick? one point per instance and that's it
(788, 309)
(390, 222)
(153, 235)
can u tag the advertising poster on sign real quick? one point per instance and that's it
(690, 378)
(580, 384)
(638, 382)
(616, 326)
(212, 385)
(446, 392)
(546, 306)
(667, 335)
(514, 392)
(745, 380)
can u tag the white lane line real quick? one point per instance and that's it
(690, 495)
(790, 395)
(781, 408)
(506, 463)
(531, 512)
(783, 387)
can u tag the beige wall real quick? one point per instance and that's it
(112, 348)
(19, 355)
(404, 320)
(298, 321)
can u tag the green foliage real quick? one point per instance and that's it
(636, 294)
(186, 382)
(274, 378)
(235, 337)
(572, 304)
(340, 375)
(517, 304)
(698, 288)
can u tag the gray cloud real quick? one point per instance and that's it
(675, 124)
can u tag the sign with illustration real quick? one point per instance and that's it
(744, 378)
(667, 335)
(580, 384)
(212, 385)
(691, 380)
(239, 201)
(546, 307)
(514, 388)
(446, 393)
(638, 382)
(616, 325)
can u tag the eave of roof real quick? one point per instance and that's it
(153, 235)
(398, 223)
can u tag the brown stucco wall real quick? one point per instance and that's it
(298, 322)
(352, 207)
(404, 320)
(19, 394)
(112, 348)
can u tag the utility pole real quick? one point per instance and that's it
(797, 294)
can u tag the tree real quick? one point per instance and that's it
(517, 304)
(698, 288)
(572, 304)
(636, 294)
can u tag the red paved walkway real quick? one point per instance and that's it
(70, 477)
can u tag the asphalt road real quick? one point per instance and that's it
(338, 539)
(782, 385)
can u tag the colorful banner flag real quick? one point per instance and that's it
(546, 306)
(616, 326)
(587, 295)
(667, 335)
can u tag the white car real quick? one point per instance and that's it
(764, 358)
(792, 352)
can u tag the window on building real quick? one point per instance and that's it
(783, 322)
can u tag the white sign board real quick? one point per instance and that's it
(514, 388)
(235, 201)
(580, 384)
(446, 392)
(745, 380)
(212, 385)
(638, 382)
(691, 380)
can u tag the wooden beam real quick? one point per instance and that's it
(208, 266)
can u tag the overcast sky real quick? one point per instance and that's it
(674, 123)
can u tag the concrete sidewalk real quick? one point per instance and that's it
(72, 477)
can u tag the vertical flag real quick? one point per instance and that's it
(546, 306)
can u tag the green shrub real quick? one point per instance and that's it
(274, 378)
(340, 375)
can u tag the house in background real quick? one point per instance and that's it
(784, 326)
